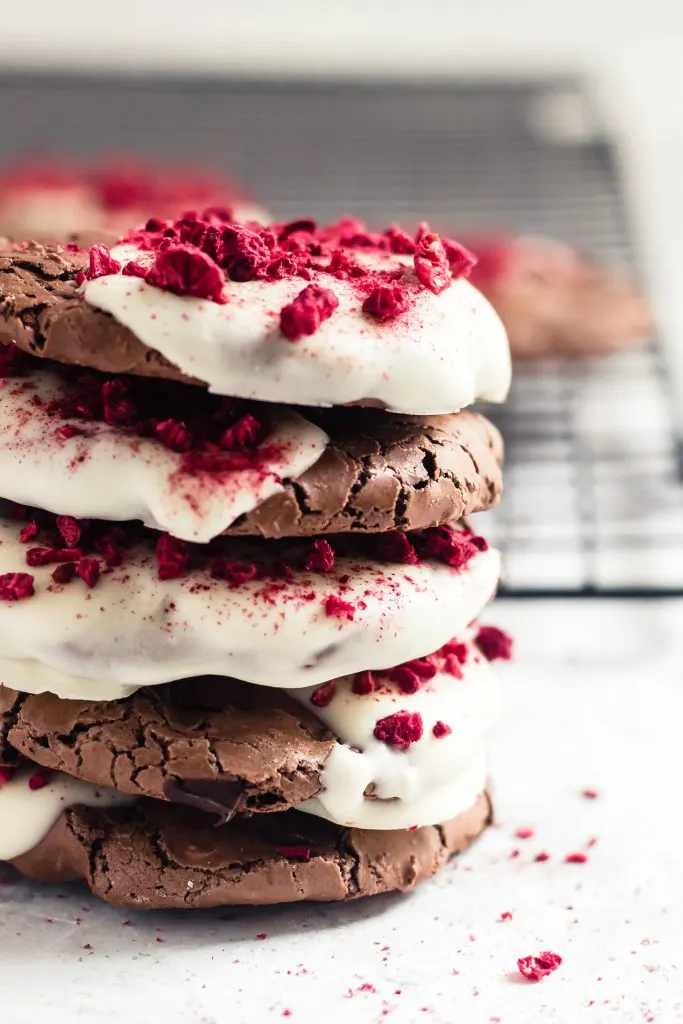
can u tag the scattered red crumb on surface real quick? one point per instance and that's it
(324, 694)
(514, 854)
(304, 315)
(590, 794)
(524, 833)
(262, 935)
(576, 858)
(440, 729)
(302, 853)
(506, 916)
(534, 968)
(541, 856)
(6, 775)
(16, 586)
(399, 730)
(592, 842)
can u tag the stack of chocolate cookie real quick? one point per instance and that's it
(238, 595)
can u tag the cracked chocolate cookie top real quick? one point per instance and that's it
(291, 313)
(152, 855)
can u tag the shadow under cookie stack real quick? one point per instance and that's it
(238, 594)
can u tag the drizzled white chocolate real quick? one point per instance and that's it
(438, 357)
(368, 784)
(106, 473)
(27, 815)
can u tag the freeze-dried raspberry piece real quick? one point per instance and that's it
(89, 570)
(494, 644)
(440, 729)
(302, 853)
(395, 547)
(460, 260)
(246, 433)
(321, 558)
(174, 435)
(363, 683)
(101, 263)
(15, 586)
(233, 572)
(399, 730)
(304, 315)
(173, 557)
(324, 694)
(431, 264)
(454, 547)
(534, 968)
(336, 608)
(69, 530)
(185, 270)
(386, 301)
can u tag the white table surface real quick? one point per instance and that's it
(595, 700)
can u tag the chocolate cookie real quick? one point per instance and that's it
(217, 744)
(51, 201)
(153, 855)
(554, 302)
(99, 446)
(291, 313)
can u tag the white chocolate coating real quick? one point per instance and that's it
(27, 815)
(434, 779)
(441, 355)
(134, 629)
(109, 474)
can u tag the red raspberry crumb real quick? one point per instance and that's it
(304, 315)
(101, 263)
(524, 833)
(321, 558)
(69, 530)
(89, 570)
(386, 302)
(247, 432)
(399, 241)
(185, 270)
(47, 556)
(431, 264)
(39, 779)
(400, 729)
(460, 260)
(536, 967)
(363, 683)
(324, 694)
(494, 644)
(576, 858)
(174, 435)
(395, 547)
(64, 573)
(590, 794)
(67, 431)
(506, 916)
(15, 586)
(173, 557)
(261, 936)
(542, 856)
(133, 269)
(338, 609)
(118, 405)
(233, 572)
(6, 775)
(454, 547)
(302, 853)
(29, 532)
(441, 729)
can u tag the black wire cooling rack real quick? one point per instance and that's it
(592, 504)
